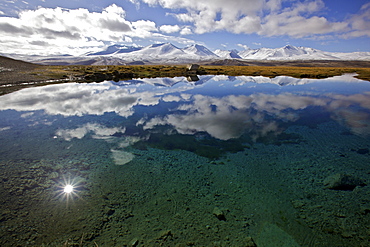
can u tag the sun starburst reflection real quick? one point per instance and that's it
(69, 188)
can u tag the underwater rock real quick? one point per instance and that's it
(250, 242)
(363, 151)
(271, 236)
(134, 242)
(342, 181)
(219, 214)
(109, 211)
(54, 175)
(163, 235)
(365, 209)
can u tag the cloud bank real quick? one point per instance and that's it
(265, 17)
(45, 31)
(59, 31)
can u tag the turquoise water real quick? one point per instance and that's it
(212, 161)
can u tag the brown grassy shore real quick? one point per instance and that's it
(16, 74)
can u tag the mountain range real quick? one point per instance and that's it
(168, 53)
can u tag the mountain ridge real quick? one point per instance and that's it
(167, 53)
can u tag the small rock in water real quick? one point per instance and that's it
(363, 151)
(219, 214)
(342, 181)
(250, 242)
(163, 235)
(54, 175)
(134, 242)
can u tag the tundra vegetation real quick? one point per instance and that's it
(148, 71)
(15, 74)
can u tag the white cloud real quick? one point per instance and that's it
(63, 29)
(136, 3)
(169, 28)
(143, 29)
(46, 31)
(265, 17)
(245, 47)
(278, 25)
(186, 31)
(144, 25)
(360, 23)
(204, 13)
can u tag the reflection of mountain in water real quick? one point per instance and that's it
(279, 80)
(165, 81)
(216, 107)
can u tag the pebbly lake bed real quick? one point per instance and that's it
(202, 161)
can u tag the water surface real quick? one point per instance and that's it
(154, 160)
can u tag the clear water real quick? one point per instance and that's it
(216, 161)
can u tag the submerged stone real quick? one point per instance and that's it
(219, 214)
(342, 181)
(363, 151)
(271, 236)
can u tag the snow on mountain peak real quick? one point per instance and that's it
(230, 54)
(155, 50)
(115, 49)
(199, 50)
(167, 53)
(171, 52)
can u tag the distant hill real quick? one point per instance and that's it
(14, 71)
(10, 64)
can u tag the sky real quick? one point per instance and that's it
(55, 27)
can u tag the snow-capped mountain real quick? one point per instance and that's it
(168, 53)
(199, 50)
(230, 54)
(115, 49)
(290, 52)
(155, 50)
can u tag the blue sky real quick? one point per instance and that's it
(47, 27)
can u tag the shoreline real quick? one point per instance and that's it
(17, 74)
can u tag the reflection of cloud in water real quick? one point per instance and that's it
(5, 128)
(227, 117)
(71, 99)
(223, 118)
(231, 116)
(171, 98)
(357, 121)
(349, 110)
(121, 157)
(75, 99)
(339, 101)
(100, 132)
(26, 115)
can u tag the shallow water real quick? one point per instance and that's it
(212, 161)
